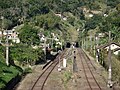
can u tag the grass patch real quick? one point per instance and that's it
(2, 85)
(66, 77)
(70, 62)
(27, 70)
(7, 73)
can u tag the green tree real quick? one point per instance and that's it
(25, 54)
(46, 21)
(93, 22)
(29, 35)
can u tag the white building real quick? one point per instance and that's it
(90, 15)
(12, 35)
(113, 46)
(59, 15)
(116, 51)
(0, 33)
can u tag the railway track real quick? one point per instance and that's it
(40, 82)
(90, 78)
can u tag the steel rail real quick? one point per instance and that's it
(83, 55)
(84, 69)
(50, 68)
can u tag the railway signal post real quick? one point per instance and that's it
(74, 62)
(59, 67)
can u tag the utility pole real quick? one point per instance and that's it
(74, 62)
(7, 49)
(90, 40)
(2, 18)
(7, 44)
(82, 42)
(59, 58)
(85, 43)
(45, 48)
(110, 66)
(96, 45)
(2, 22)
(24, 10)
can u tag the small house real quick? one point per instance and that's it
(113, 46)
(12, 35)
(116, 51)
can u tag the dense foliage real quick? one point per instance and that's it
(8, 73)
(29, 35)
(24, 54)
(46, 21)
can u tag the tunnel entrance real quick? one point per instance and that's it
(68, 44)
(77, 45)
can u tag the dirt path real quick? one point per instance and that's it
(29, 79)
